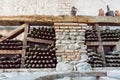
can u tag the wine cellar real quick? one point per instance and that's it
(49, 37)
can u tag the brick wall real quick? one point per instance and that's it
(70, 41)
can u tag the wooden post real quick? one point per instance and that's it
(101, 48)
(26, 30)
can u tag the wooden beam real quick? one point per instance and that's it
(26, 30)
(40, 40)
(100, 47)
(104, 43)
(10, 51)
(72, 75)
(50, 20)
(14, 33)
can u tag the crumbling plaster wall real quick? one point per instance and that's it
(54, 7)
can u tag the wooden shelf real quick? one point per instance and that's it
(39, 40)
(44, 19)
(104, 43)
(10, 51)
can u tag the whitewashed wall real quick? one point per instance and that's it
(54, 7)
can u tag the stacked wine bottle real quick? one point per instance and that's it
(91, 35)
(106, 35)
(42, 33)
(42, 56)
(110, 35)
(95, 59)
(10, 61)
(10, 44)
(112, 60)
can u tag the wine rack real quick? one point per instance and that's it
(95, 59)
(10, 44)
(42, 33)
(40, 57)
(112, 60)
(10, 61)
(110, 35)
(10, 53)
(91, 35)
(40, 52)
(106, 35)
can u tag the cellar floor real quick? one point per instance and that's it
(32, 74)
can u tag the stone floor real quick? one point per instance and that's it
(27, 74)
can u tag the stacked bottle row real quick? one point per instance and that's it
(112, 60)
(95, 59)
(110, 35)
(10, 61)
(106, 35)
(40, 57)
(47, 33)
(10, 44)
(91, 35)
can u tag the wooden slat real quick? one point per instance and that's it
(26, 30)
(10, 51)
(40, 40)
(100, 47)
(14, 33)
(72, 75)
(50, 20)
(104, 43)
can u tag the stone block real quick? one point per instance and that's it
(69, 51)
(74, 33)
(83, 67)
(61, 46)
(80, 38)
(56, 27)
(65, 41)
(82, 30)
(81, 33)
(58, 42)
(58, 30)
(64, 67)
(74, 46)
(72, 37)
(60, 37)
(65, 33)
(66, 30)
(83, 47)
(77, 27)
(73, 30)
(64, 27)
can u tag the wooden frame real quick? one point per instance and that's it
(50, 20)
(25, 21)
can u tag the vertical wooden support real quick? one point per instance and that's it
(26, 30)
(101, 48)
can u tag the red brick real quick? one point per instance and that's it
(57, 27)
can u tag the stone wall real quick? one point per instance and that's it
(70, 41)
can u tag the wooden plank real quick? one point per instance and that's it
(26, 30)
(10, 51)
(104, 43)
(100, 47)
(14, 33)
(72, 75)
(40, 40)
(50, 20)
